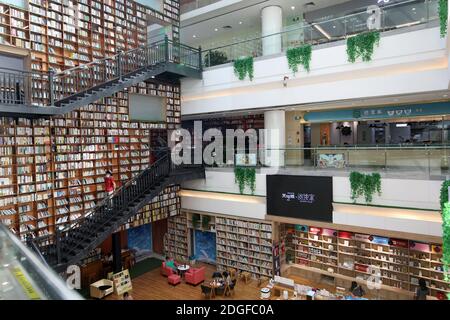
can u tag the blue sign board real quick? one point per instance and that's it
(380, 240)
(391, 112)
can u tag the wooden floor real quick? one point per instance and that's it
(153, 286)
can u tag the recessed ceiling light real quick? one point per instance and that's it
(194, 36)
(334, 27)
(240, 22)
(413, 9)
(215, 29)
(292, 8)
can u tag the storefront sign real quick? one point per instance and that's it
(392, 112)
(380, 240)
(315, 230)
(329, 232)
(345, 235)
(399, 243)
(362, 237)
(300, 227)
(302, 197)
(422, 247)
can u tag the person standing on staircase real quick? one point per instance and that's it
(110, 186)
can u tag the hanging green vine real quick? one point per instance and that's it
(443, 13)
(245, 177)
(243, 67)
(297, 56)
(445, 211)
(362, 46)
(364, 185)
(205, 222)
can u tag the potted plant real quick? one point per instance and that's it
(215, 58)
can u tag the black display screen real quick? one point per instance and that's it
(302, 197)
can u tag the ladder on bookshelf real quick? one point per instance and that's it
(70, 245)
(77, 87)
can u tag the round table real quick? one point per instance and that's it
(183, 268)
(265, 293)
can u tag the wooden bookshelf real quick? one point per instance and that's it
(245, 245)
(400, 262)
(176, 242)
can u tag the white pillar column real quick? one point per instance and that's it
(272, 22)
(274, 137)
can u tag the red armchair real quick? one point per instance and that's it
(195, 276)
(166, 271)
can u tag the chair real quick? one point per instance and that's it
(245, 276)
(220, 291)
(262, 281)
(174, 279)
(232, 273)
(195, 276)
(217, 275)
(207, 291)
(101, 288)
(166, 271)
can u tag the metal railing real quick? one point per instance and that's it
(103, 213)
(195, 4)
(42, 89)
(393, 16)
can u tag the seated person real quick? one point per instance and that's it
(226, 277)
(356, 289)
(171, 264)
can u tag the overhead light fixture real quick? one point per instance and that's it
(413, 9)
(319, 28)
(153, 77)
(240, 22)
(401, 125)
(334, 27)
(293, 8)
(215, 29)
(194, 36)
(407, 24)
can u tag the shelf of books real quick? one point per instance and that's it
(167, 204)
(399, 263)
(52, 170)
(177, 237)
(245, 245)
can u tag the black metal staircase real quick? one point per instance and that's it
(70, 245)
(22, 93)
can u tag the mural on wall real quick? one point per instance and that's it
(140, 241)
(205, 246)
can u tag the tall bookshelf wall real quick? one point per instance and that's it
(62, 34)
(400, 262)
(51, 170)
(176, 242)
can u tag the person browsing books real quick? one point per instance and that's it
(110, 186)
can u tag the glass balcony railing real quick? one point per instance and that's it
(195, 4)
(23, 276)
(394, 16)
(423, 160)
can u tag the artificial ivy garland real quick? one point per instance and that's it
(244, 66)
(445, 211)
(245, 177)
(443, 13)
(362, 45)
(297, 56)
(446, 241)
(364, 185)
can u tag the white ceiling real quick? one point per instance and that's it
(248, 12)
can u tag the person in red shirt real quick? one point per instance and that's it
(110, 186)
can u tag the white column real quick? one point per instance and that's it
(274, 137)
(272, 22)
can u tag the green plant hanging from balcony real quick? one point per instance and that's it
(299, 56)
(446, 241)
(443, 16)
(243, 67)
(364, 185)
(362, 46)
(245, 177)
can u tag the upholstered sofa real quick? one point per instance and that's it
(195, 276)
(166, 271)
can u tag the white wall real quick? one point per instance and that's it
(221, 196)
(401, 193)
(404, 63)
